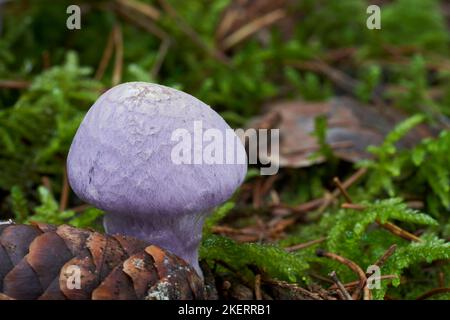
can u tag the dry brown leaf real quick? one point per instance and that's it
(352, 127)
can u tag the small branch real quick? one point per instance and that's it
(303, 207)
(386, 255)
(143, 8)
(47, 183)
(118, 61)
(355, 283)
(258, 294)
(64, 192)
(353, 178)
(14, 84)
(323, 202)
(340, 286)
(341, 79)
(268, 184)
(236, 272)
(388, 225)
(441, 279)
(305, 244)
(394, 229)
(142, 22)
(252, 27)
(352, 206)
(355, 268)
(241, 235)
(345, 185)
(293, 287)
(192, 34)
(433, 292)
(257, 194)
(321, 278)
(106, 57)
(80, 208)
(46, 59)
(342, 189)
(399, 231)
(162, 53)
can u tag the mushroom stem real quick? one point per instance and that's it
(179, 235)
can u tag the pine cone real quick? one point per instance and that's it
(42, 261)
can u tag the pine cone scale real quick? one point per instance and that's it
(47, 254)
(47, 262)
(140, 266)
(16, 239)
(22, 282)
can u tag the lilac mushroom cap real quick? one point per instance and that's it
(120, 161)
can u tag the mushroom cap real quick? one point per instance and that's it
(120, 158)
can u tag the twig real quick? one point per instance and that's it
(352, 206)
(346, 184)
(236, 272)
(342, 189)
(143, 8)
(340, 286)
(307, 206)
(226, 23)
(230, 230)
(323, 202)
(64, 192)
(387, 225)
(240, 235)
(353, 178)
(80, 208)
(322, 278)
(354, 267)
(118, 61)
(268, 184)
(355, 283)
(305, 244)
(277, 226)
(257, 194)
(47, 183)
(258, 294)
(161, 55)
(433, 292)
(386, 255)
(46, 59)
(342, 80)
(334, 55)
(252, 27)
(394, 229)
(192, 34)
(106, 57)
(143, 22)
(441, 279)
(399, 231)
(274, 197)
(293, 287)
(333, 145)
(14, 84)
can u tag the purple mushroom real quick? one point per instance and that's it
(124, 159)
